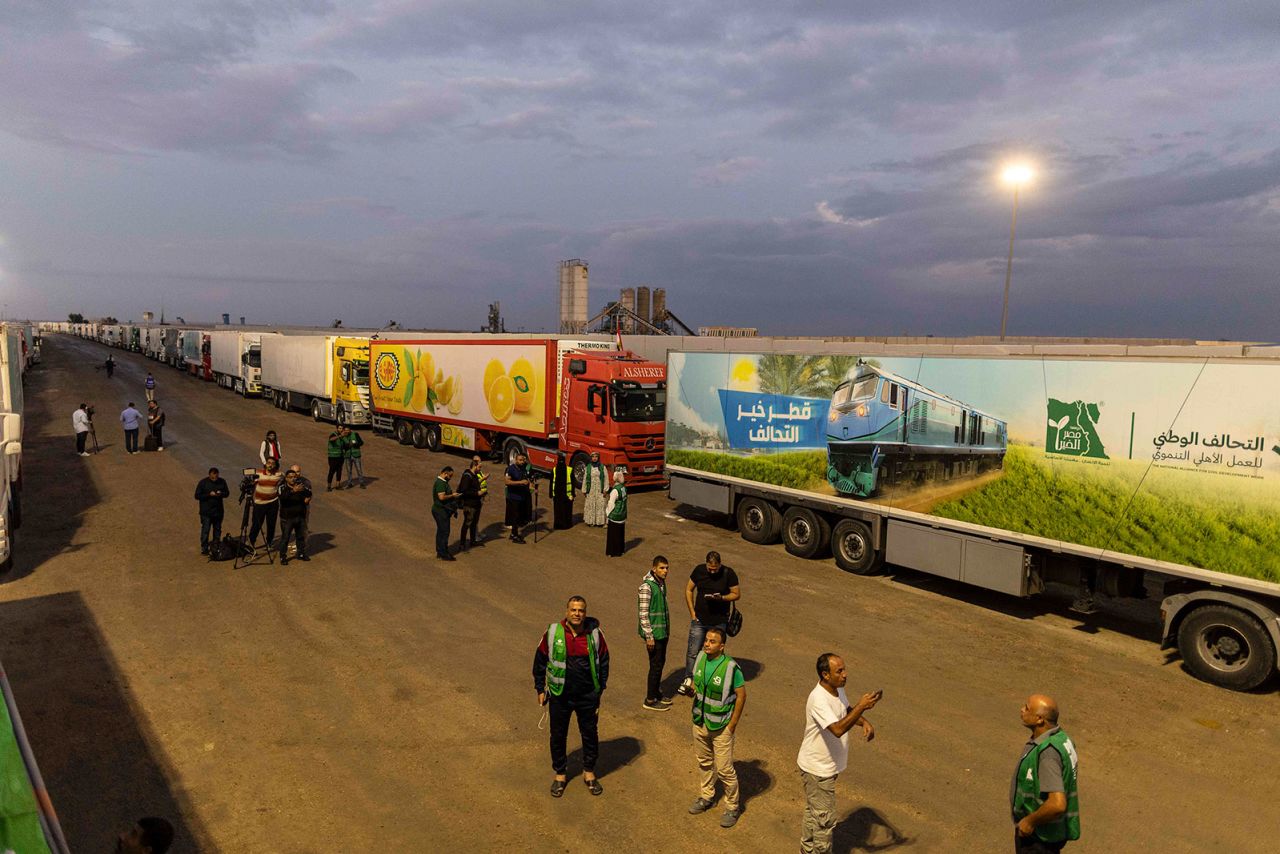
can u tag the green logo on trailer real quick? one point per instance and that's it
(1072, 430)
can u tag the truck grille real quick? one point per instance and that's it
(644, 458)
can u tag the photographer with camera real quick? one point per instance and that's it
(211, 492)
(295, 496)
(81, 424)
(443, 507)
(265, 487)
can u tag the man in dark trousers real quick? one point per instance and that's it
(471, 496)
(442, 498)
(570, 672)
(712, 587)
(155, 423)
(294, 498)
(211, 492)
(655, 625)
(110, 365)
(519, 497)
(1043, 797)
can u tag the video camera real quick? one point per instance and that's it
(247, 484)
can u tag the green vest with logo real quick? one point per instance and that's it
(659, 620)
(558, 658)
(713, 694)
(1027, 800)
(619, 513)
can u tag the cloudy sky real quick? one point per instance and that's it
(800, 166)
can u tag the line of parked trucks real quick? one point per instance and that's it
(1106, 470)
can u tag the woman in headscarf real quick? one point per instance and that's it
(562, 495)
(595, 486)
(615, 539)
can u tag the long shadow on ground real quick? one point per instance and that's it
(92, 744)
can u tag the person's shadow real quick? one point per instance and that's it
(866, 829)
(753, 780)
(615, 753)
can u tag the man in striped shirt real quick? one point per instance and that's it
(266, 502)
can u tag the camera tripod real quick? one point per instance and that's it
(247, 553)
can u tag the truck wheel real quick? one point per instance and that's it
(511, 449)
(341, 418)
(804, 532)
(1227, 647)
(758, 521)
(315, 411)
(419, 435)
(404, 432)
(433, 443)
(578, 465)
(851, 545)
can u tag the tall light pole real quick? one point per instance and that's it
(1016, 176)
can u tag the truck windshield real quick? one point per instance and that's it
(360, 373)
(640, 404)
(254, 358)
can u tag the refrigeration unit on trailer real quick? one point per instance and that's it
(1126, 473)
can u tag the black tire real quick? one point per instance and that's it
(315, 411)
(1227, 647)
(511, 449)
(578, 469)
(758, 521)
(404, 431)
(433, 438)
(853, 549)
(419, 435)
(805, 533)
(341, 417)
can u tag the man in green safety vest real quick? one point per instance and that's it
(719, 696)
(1043, 797)
(654, 628)
(570, 672)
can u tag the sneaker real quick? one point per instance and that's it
(161, 448)
(686, 688)
(701, 805)
(664, 701)
(304, 557)
(284, 561)
(657, 706)
(730, 818)
(445, 557)
(204, 551)
(85, 454)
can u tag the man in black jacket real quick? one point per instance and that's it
(471, 498)
(570, 673)
(294, 498)
(211, 492)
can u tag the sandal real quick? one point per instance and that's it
(558, 787)
(594, 787)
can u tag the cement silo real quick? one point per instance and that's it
(642, 306)
(659, 313)
(629, 303)
(573, 296)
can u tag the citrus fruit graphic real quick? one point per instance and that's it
(426, 371)
(418, 402)
(522, 378)
(492, 371)
(444, 391)
(455, 399)
(502, 398)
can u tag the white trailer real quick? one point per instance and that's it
(11, 404)
(326, 375)
(237, 360)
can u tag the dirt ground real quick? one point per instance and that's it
(375, 699)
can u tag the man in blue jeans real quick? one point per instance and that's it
(712, 587)
(131, 419)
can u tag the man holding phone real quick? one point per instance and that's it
(824, 750)
(711, 589)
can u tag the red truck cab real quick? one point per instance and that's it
(616, 405)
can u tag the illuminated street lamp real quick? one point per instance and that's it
(1015, 175)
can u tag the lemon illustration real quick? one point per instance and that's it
(426, 370)
(439, 378)
(418, 402)
(502, 398)
(455, 399)
(444, 390)
(492, 371)
(523, 380)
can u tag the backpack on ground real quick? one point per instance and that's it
(149, 443)
(224, 549)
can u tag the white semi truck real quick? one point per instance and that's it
(236, 358)
(1118, 471)
(325, 375)
(11, 405)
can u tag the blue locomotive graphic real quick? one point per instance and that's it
(884, 430)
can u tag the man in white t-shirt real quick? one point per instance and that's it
(824, 751)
